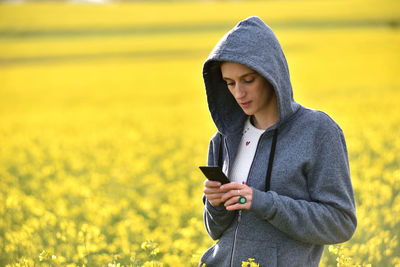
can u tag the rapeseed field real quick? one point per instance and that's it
(103, 122)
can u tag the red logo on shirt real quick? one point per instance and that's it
(247, 143)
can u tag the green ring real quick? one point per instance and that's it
(242, 200)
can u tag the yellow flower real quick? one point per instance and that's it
(250, 263)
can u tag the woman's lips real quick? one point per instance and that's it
(245, 104)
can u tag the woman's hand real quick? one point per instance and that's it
(232, 192)
(213, 192)
(228, 193)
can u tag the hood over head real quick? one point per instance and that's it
(253, 44)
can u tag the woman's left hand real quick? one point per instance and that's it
(233, 191)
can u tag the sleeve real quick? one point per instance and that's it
(330, 217)
(216, 219)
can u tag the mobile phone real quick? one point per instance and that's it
(214, 173)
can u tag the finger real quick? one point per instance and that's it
(231, 194)
(214, 196)
(231, 201)
(232, 186)
(209, 183)
(235, 200)
(211, 190)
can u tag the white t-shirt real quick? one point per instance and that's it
(246, 151)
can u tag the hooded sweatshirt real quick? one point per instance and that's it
(310, 201)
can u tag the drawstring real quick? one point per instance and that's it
(270, 161)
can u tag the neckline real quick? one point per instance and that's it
(249, 126)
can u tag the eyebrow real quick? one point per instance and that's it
(244, 75)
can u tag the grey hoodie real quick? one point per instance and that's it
(310, 202)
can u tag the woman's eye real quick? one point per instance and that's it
(230, 84)
(249, 81)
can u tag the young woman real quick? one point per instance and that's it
(290, 191)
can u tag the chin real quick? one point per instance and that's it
(248, 112)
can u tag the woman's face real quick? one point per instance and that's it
(252, 91)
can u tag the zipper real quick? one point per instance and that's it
(235, 236)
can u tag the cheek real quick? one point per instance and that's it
(260, 91)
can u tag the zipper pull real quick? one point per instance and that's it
(240, 215)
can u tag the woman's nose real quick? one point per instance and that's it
(239, 92)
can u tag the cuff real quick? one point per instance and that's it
(263, 204)
(215, 210)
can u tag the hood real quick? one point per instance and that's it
(252, 43)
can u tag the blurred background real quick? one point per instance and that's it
(103, 122)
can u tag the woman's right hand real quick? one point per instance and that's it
(213, 192)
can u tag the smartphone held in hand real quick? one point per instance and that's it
(214, 173)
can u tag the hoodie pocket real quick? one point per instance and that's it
(260, 252)
(218, 255)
